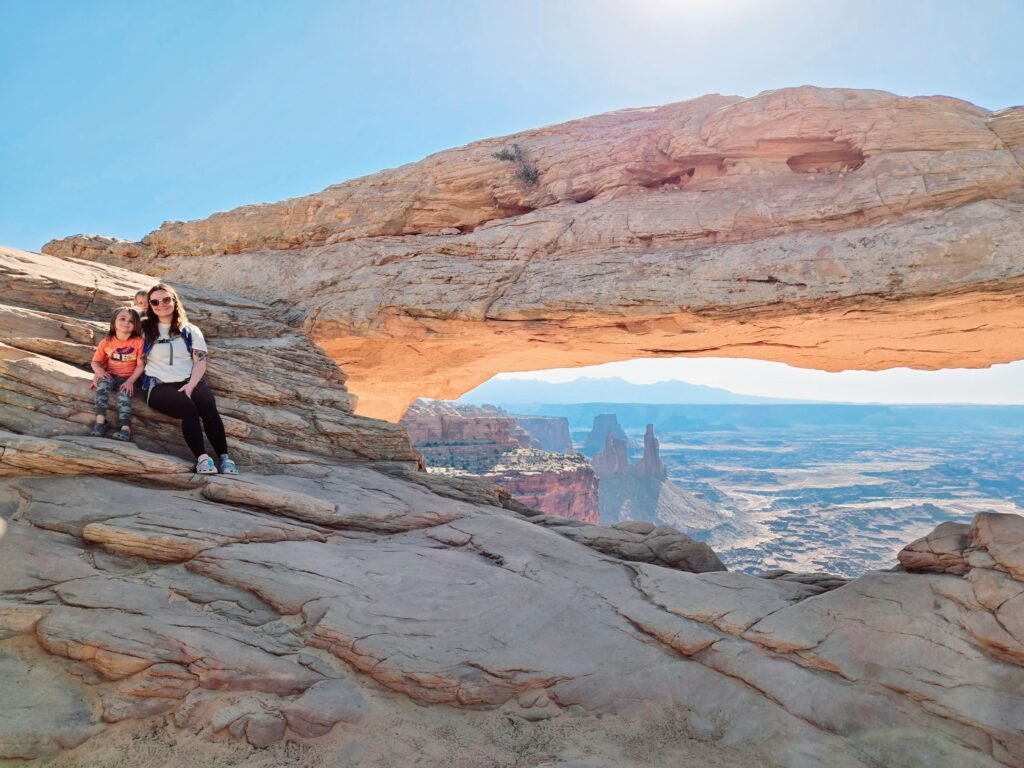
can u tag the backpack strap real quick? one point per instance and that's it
(186, 335)
(148, 382)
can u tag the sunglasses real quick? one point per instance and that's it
(166, 301)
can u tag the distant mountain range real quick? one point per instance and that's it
(690, 417)
(615, 390)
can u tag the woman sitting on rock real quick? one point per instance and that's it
(175, 382)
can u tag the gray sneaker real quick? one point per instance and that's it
(99, 429)
(206, 466)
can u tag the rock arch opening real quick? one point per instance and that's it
(804, 484)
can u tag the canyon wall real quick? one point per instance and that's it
(605, 425)
(485, 442)
(549, 433)
(643, 491)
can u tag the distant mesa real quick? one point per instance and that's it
(605, 425)
(486, 442)
(643, 491)
(548, 433)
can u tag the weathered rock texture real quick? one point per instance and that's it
(332, 584)
(282, 399)
(831, 229)
(486, 442)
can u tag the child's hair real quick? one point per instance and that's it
(136, 322)
(143, 292)
(178, 320)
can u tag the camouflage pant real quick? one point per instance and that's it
(124, 402)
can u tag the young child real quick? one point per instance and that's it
(142, 302)
(118, 364)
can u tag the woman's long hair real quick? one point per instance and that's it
(150, 326)
(136, 325)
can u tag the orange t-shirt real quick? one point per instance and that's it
(119, 357)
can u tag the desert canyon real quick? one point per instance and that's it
(336, 604)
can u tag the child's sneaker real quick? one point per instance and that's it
(124, 434)
(99, 429)
(205, 466)
(227, 466)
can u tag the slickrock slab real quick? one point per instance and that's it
(78, 455)
(862, 713)
(275, 388)
(659, 545)
(492, 610)
(135, 521)
(324, 705)
(990, 552)
(906, 633)
(438, 591)
(820, 582)
(44, 710)
(1002, 536)
(941, 551)
(732, 602)
(826, 228)
(351, 497)
(321, 598)
(44, 560)
(124, 644)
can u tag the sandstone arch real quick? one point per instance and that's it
(833, 229)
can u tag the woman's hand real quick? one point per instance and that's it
(187, 389)
(128, 388)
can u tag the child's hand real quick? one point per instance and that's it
(128, 388)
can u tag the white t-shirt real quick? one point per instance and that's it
(169, 360)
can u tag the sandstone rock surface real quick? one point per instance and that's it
(825, 228)
(283, 400)
(334, 592)
(317, 600)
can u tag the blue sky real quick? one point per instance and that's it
(119, 115)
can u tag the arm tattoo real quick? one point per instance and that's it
(199, 355)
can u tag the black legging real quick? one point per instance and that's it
(169, 401)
